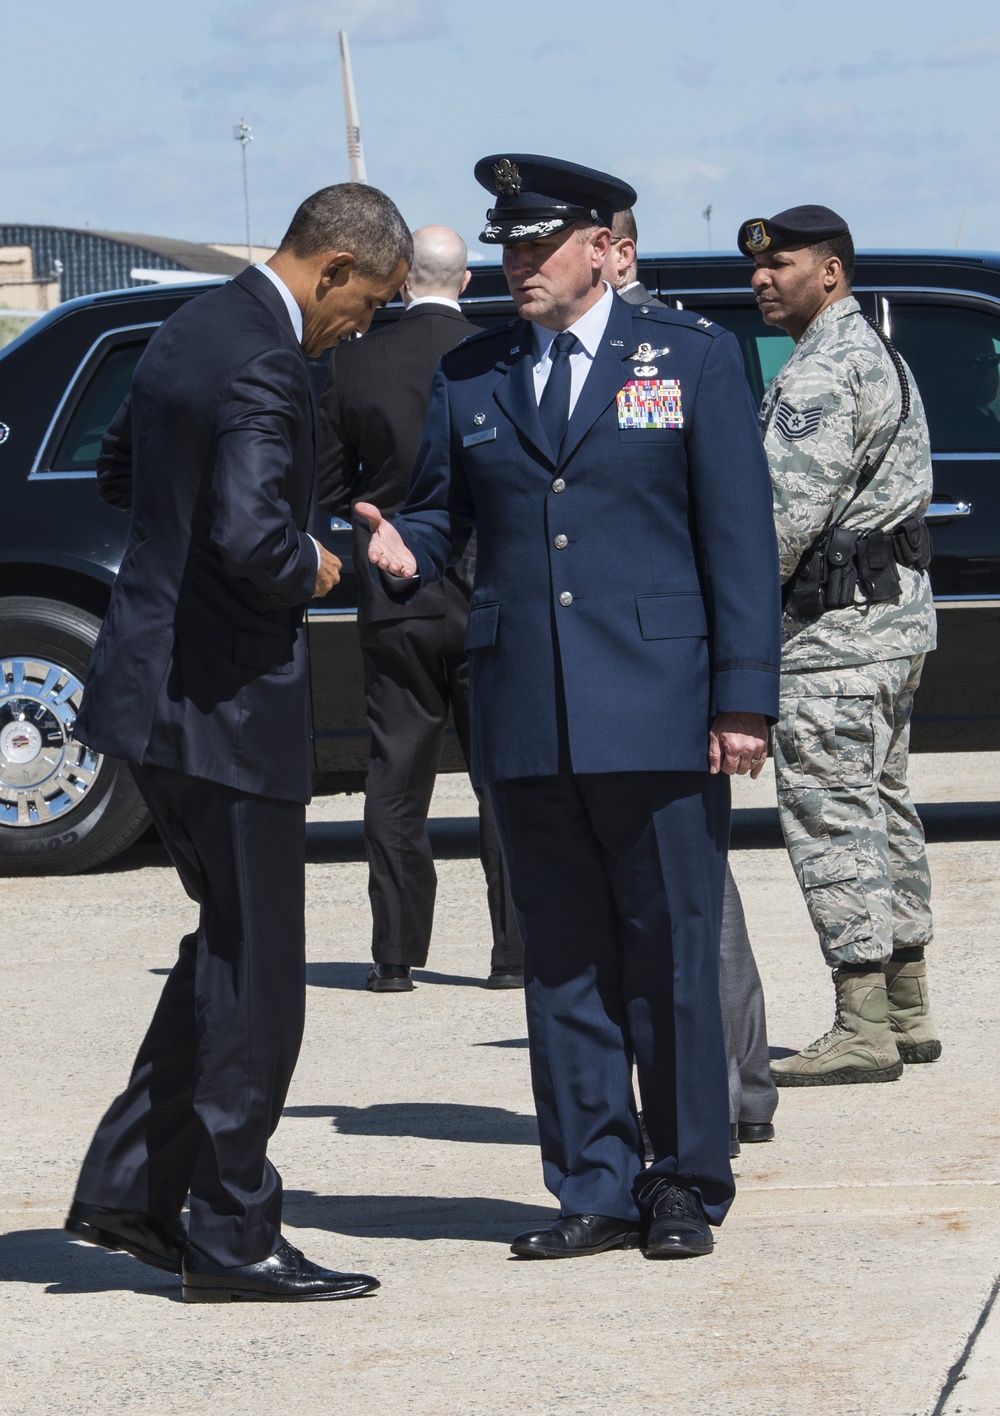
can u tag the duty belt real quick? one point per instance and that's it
(841, 563)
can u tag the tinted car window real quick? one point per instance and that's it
(954, 353)
(99, 402)
(764, 349)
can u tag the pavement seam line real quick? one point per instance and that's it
(956, 1372)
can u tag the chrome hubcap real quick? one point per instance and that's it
(43, 771)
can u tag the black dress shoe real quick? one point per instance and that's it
(155, 1239)
(286, 1276)
(575, 1235)
(753, 1132)
(734, 1142)
(505, 978)
(678, 1228)
(390, 978)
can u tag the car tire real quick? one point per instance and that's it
(63, 809)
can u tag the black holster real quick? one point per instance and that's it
(841, 562)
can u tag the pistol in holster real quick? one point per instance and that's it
(840, 563)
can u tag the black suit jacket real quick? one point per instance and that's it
(639, 295)
(371, 419)
(201, 662)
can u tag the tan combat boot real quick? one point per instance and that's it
(910, 1011)
(860, 1047)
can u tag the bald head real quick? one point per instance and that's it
(439, 267)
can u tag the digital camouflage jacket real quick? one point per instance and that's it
(834, 403)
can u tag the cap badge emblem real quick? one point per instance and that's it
(756, 239)
(507, 177)
(479, 419)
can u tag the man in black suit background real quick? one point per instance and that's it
(371, 418)
(200, 681)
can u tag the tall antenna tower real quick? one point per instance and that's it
(355, 151)
(243, 134)
(707, 217)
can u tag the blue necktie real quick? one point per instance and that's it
(553, 406)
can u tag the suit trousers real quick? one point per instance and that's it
(618, 881)
(415, 669)
(210, 1078)
(753, 1097)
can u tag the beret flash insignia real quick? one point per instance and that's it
(508, 179)
(757, 239)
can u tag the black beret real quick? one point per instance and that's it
(537, 196)
(798, 226)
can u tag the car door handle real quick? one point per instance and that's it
(944, 510)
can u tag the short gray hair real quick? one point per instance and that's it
(440, 259)
(351, 217)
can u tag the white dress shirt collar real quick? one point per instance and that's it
(434, 300)
(294, 313)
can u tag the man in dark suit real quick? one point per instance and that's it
(199, 680)
(753, 1097)
(624, 650)
(371, 416)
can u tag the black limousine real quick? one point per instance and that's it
(64, 809)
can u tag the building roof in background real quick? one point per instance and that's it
(86, 262)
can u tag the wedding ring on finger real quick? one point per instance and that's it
(756, 761)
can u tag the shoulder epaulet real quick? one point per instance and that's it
(690, 319)
(491, 332)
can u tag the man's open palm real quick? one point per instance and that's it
(387, 548)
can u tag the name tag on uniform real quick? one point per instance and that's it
(484, 435)
(650, 403)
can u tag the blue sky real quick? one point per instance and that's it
(121, 116)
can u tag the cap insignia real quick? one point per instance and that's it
(756, 239)
(507, 177)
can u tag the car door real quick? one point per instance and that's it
(951, 343)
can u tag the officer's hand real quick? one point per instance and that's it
(737, 743)
(387, 548)
(328, 574)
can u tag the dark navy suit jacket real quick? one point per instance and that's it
(671, 558)
(201, 662)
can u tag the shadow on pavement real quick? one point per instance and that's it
(353, 976)
(457, 837)
(472, 1217)
(504, 1042)
(64, 1265)
(430, 1121)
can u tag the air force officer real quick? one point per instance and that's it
(623, 644)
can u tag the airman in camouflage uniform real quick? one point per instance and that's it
(848, 674)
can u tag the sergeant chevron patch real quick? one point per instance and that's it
(794, 425)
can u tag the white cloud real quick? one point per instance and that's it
(309, 21)
(675, 180)
(984, 50)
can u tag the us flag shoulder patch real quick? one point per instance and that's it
(794, 425)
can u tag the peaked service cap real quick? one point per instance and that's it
(538, 196)
(798, 226)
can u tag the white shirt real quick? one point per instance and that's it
(434, 300)
(589, 330)
(295, 315)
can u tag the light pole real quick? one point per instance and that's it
(707, 214)
(243, 134)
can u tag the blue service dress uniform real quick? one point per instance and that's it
(626, 591)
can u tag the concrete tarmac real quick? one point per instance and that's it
(855, 1276)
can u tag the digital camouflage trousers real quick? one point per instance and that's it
(853, 834)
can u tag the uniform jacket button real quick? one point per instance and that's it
(559, 485)
(565, 598)
(561, 542)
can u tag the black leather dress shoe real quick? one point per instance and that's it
(751, 1133)
(678, 1228)
(153, 1238)
(734, 1142)
(576, 1235)
(505, 978)
(390, 978)
(287, 1276)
